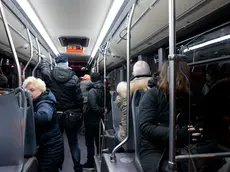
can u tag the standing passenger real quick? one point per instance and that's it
(85, 84)
(65, 85)
(50, 154)
(92, 119)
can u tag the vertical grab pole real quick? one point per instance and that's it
(39, 56)
(105, 74)
(9, 36)
(101, 122)
(172, 105)
(31, 53)
(98, 63)
(113, 156)
(51, 62)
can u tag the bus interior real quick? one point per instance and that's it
(109, 37)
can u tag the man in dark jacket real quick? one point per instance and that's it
(95, 113)
(65, 85)
(85, 84)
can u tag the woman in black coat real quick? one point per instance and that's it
(154, 118)
(51, 147)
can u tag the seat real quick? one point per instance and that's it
(12, 128)
(125, 163)
(30, 134)
(30, 147)
(116, 113)
(138, 95)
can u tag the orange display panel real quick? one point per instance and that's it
(74, 49)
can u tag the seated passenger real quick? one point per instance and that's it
(212, 76)
(3, 79)
(51, 151)
(154, 118)
(121, 104)
(153, 81)
(141, 73)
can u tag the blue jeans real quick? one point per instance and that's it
(116, 140)
(71, 134)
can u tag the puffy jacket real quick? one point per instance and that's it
(154, 124)
(122, 105)
(139, 82)
(85, 87)
(47, 131)
(96, 103)
(66, 87)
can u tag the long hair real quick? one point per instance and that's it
(181, 72)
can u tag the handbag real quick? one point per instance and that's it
(73, 118)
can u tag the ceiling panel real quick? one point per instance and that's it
(72, 18)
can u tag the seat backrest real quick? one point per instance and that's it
(129, 146)
(12, 128)
(116, 113)
(137, 96)
(30, 134)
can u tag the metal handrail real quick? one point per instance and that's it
(105, 79)
(113, 156)
(101, 141)
(172, 86)
(10, 39)
(39, 56)
(51, 62)
(31, 53)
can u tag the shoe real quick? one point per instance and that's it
(88, 166)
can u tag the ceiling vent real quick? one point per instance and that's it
(74, 40)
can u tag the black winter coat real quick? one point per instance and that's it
(96, 103)
(154, 126)
(51, 151)
(66, 87)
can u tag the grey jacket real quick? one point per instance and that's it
(85, 87)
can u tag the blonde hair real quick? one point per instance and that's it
(141, 68)
(182, 82)
(121, 89)
(37, 81)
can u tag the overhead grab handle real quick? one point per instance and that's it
(39, 56)
(31, 53)
(113, 156)
(9, 36)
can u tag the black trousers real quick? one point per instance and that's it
(91, 138)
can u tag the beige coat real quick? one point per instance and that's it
(137, 83)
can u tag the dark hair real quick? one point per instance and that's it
(95, 77)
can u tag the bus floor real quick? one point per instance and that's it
(68, 163)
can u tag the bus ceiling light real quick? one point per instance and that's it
(34, 19)
(108, 22)
(207, 43)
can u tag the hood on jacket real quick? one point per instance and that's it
(46, 96)
(139, 83)
(97, 85)
(86, 84)
(62, 75)
(153, 81)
